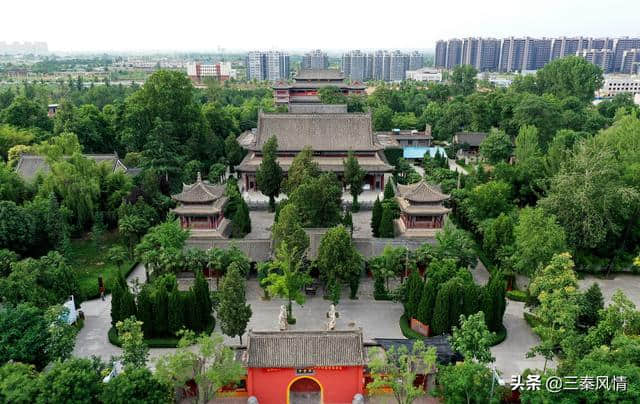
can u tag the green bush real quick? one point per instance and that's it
(155, 342)
(517, 295)
(499, 336)
(531, 319)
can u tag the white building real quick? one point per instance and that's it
(425, 74)
(220, 71)
(618, 84)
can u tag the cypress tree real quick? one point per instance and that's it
(189, 310)
(388, 190)
(440, 320)
(202, 302)
(376, 217)
(456, 303)
(161, 312)
(590, 305)
(494, 302)
(414, 294)
(472, 299)
(233, 312)
(174, 316)
(145, 311)
(386, 223)
(427, 302)
(116, 304)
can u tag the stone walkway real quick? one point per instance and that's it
(92, 340)
(376, 318)
(511, 353)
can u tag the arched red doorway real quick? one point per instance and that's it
(304, 390)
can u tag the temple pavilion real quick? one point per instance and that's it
(421, 210)
(308, 82)
(200, 209)
(329, 133)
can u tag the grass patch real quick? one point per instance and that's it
(517, 295)
(89, 261)
(405, 327)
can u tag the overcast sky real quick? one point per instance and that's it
(143, 25)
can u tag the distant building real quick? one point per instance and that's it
(315, 60)
(468, 144)
(416, 60)
(307, 83)
(529, 54)
(620, 84)
(603, 58)
(398, 66)
(220, 71)
(268, 66)
(441, 54)
(425, 74)
(355, 65)
(406, 138)
(52, 109)
(30, 165)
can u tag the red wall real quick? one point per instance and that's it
(339, 383)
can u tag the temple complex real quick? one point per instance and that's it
(307, 83)
(200, 209)
(421, 210)
(330, 134)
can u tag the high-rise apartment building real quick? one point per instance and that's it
(316, 60)
(355, 65)
(518, 54)
(271, 66)
(599, 57)
(441, 54)
(454, 54)
(630, 62)
(378, 65)
(416, 60)
(398, 65)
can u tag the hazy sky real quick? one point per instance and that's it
(132, 25)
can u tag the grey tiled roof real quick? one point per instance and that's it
(470, 138)
(199, 192)
(317, 108)
(320, 74)
(421, 192)
(321, 132)
(301, 349)
(30, 164)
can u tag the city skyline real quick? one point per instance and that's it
(125, 27)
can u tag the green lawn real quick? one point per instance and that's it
(90, 261)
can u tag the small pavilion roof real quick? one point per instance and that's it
(300, 349)
(421, 192)
(199, 192)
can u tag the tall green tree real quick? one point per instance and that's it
(591, 302)
(135, 351)
(136, 386)
(414, 287)
(376, 217)
(496, 147)
(72, 381)
(269, 173)
(338, 260)
(287, 277)
(302, 168)
(396, 368)
(289, 229)
(354, 177)
(203, 301)
(386, 229)
(319, 201)
(570, 76)
(233, 311)
(212, 365)
(463, 80)
(467, 382)
(473, 339)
